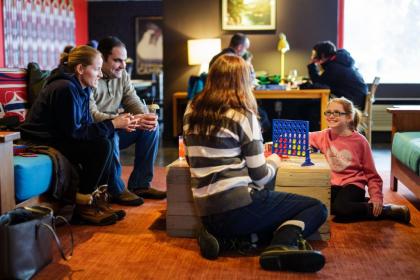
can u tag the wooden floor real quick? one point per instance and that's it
(138, 248)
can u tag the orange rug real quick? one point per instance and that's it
(138, 248)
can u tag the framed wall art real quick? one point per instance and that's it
(248, 14)
(149, 45)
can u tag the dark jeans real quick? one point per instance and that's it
(95, 158)
(268, 210)
(146, 148)
(349, 202)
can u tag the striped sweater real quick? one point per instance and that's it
(226, 167)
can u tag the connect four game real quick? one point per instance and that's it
(291, 138)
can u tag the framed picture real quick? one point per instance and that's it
(249, 15)
(149, 45)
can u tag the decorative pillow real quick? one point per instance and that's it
(37, 79)
(13, 96)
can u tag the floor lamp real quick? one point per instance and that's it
(282, 47)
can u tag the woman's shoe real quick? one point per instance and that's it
(88, 212)
(101, 198)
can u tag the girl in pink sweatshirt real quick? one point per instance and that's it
(352, 167)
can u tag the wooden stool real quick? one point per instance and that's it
(181, 216)
(312, 181)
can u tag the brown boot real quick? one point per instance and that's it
(89, 212)
(101, 198)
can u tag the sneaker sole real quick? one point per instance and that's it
(77, 219)
(209, 247)
(150, 196)
(135, 202)
(300, 261)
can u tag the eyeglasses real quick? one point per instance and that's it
(335, 113)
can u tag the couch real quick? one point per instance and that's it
(23, 179)
(405, 155)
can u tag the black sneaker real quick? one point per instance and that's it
(209, 246)
(301, 258)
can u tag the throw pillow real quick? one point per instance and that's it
(13, 96)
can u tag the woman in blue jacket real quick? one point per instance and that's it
(60, 117)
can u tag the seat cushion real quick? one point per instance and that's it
(406, 148)
(32, 176)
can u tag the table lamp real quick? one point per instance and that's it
(282, 47)
(201, 51)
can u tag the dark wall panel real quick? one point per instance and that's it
(118, 18)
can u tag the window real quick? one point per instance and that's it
(383, 38)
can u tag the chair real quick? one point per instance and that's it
(366, 121)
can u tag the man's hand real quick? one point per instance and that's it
(124, 121)
(146, 121)
(313, 58)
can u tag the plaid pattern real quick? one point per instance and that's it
(13, 93)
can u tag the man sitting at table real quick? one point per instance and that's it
(239, 44)
(335, 68)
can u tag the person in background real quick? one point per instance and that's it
(92, 43)
(232, 181)
(335, 68)
(66, 51)
(352, 167)
(239, 44)
(113, 93)
(265, 122)
(60, 118)
(248, 56)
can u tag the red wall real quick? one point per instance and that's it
(81, 32)
(81, 14)
(1, 35)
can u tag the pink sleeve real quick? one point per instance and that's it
(315, 139)
(374, 181)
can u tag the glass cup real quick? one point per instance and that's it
(268, 146)
(292, 77)
(181, 148)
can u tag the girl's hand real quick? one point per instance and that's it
(377, 208)
(274, 158)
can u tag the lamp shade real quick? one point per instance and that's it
(201, 51)
(283, 45)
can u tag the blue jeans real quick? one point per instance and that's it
(268, 210)
(147, 143)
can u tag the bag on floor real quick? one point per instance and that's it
(25, 241)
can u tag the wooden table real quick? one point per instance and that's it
(322, 94)
(7, 182)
